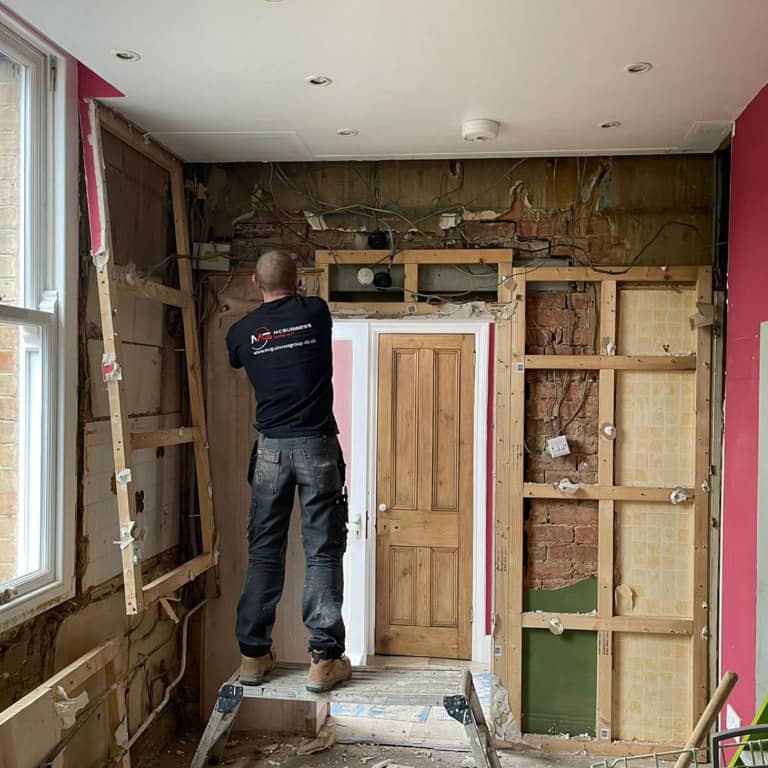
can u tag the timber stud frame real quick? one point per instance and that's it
(110, 279)
(510, 618)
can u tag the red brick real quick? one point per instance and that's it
(8, 432)
(538, 512)
(545, 300)
(8, 362)
(573, 513)
(581, 300)
(9, 408)
(585, 534)
(8, 480)
(7, 527)
(9, 456)
(552, 318)
(8, 503)
(584, 570)
(585, 553)
(527, 228)
(551, 533)
(564, 553)
(537, 553)
(542, 570)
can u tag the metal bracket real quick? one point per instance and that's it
(229, 698)
(458, 708)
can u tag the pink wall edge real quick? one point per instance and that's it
(747, 308)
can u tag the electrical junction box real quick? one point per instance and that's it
(558, 446)
(211, 256)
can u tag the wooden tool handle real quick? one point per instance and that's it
(708, 717)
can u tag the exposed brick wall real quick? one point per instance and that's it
(9, 292)
(560, 543)
(561, 537)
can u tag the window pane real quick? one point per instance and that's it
(11, 177)
(22, 527)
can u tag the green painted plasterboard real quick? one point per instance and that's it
(560, 671)
(580, 597)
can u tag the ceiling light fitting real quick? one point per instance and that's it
(347, 132)
(610, 124)
(319, 80)
(125, 55)
(479, 130)
(639, 67)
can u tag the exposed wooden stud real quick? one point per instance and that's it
(425, 256)
(411, 284)
(324, 286)
(606, 493)
(136, 139)
(611, 362)
(515, 501)
(178, 577)
(601, 749)
(605, 554)
(192, 360)
(623, 275)
(501, 622)
(164, 437)
(114, 377)
(149, 289)
(700, 596)
(35, 713)
(506, 289)
(354, 309)
(651, 625)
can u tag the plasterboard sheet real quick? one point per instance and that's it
(142, 373)
(157, 476)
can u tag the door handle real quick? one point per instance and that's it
(383, 507)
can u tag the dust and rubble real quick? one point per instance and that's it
(247, 750)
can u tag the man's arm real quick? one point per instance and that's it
(234, 357)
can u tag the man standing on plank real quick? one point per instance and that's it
(285, 348)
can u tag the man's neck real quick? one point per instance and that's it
(276, 296)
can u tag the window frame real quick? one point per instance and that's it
(49, 237)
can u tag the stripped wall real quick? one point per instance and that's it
(32, 651)
(607, 211)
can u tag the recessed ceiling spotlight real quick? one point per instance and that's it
(347, 132)
(124, 55)
(318, 80)
(610, 124)
(639, 67)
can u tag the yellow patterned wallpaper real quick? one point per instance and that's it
(653, 557)
(651, 688)
(649, 320)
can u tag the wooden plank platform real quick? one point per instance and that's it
(369, 685)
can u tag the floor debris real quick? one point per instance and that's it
(324, 740)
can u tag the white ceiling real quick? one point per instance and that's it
(223, 80)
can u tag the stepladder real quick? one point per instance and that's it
(449, 688)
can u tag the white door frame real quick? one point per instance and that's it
(360, 563)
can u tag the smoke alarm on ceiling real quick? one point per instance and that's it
(479, 130)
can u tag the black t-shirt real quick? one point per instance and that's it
(285, 348)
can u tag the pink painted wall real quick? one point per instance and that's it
(747, 308)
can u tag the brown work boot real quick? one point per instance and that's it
(253, 670)
(325, 674)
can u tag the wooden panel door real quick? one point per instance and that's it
(424, 495)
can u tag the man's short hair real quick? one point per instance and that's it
(276, 270)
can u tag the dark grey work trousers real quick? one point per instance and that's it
(316, 466)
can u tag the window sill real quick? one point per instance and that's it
(26, 607)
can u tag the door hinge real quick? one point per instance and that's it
(52, 71)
